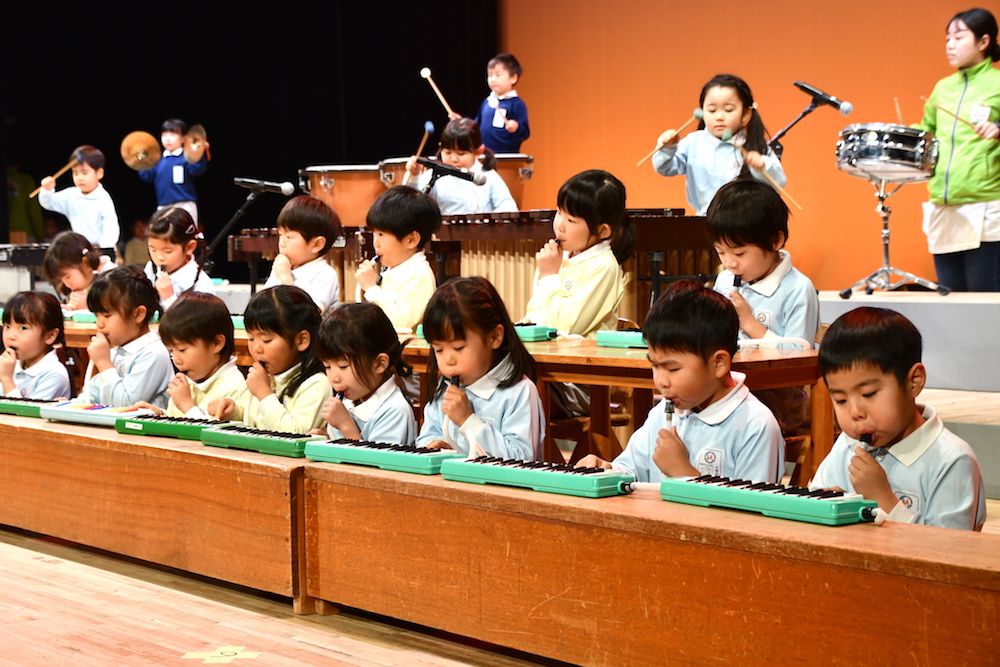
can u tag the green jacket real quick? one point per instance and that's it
(968, 166)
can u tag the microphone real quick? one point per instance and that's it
(845, 108)
(285, 188)
(478, 177)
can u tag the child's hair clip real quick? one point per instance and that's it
(85, 251)
(192, 230)
(754, 105)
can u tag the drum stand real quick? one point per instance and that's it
(881, 278)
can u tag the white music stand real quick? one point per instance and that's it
(881, 278)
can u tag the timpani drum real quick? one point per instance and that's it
(515, 169)
(391, 171)
(349, 189)
(887, 152)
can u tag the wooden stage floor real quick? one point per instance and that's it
(75, 607)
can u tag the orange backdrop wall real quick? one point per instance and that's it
(604, 78)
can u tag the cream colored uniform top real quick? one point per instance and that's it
(405, 290)
(227, 382)
(296, 414)
(583, 297)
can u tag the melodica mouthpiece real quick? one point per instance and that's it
(737, 281)
(668, 411)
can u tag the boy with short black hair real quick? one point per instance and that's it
(892, 450)
(307, 228)
(719, 427)
(86, 203)
(173, 176)
(503, 116)
(402, 221)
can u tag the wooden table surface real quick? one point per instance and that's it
(583, 362)
(635, 580)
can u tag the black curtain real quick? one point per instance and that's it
(277, 89)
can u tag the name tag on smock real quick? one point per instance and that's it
(178, 173)
(980, 113)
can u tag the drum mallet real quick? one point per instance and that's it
(729, 135)
(69, 165)
(697, 115)
(953, 115)
(899, 110)
(426, 73)
(428, 129)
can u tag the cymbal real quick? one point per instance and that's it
(196, 144)
(140, 150)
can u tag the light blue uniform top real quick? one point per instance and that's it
(93, 215)
(47, 378)
(710, 163)
(933, 472)
(785, 301)
(505, 422)
(456, 196)
(737, 437)
(385, 417)
(141, 372)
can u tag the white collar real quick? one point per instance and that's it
(284, 378)
(913, 446)
(365, 410)
(137, 344)
(186, 273)
(93, 194)
(486, 385)
(592, 251)
(307, 268)
(500, 98)
(173, 153)
(718, 412)
(46, 360)
(767, 286)
(411, 262)
(223, 370)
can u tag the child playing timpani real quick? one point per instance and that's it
(719, 427)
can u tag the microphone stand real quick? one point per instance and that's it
(435, 175)
(209, 264)
(773, 143)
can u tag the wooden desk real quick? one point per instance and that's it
(227, 514)
(584, 362)
(634, 580)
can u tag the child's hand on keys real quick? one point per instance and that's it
(549, 259)
(669, 138)
(592, 461)
(455, 404)
(221, 408)
(282, 268)
(149, 406)
(99, 352)
(366, 275)
(179, 390)
(869, 479)
(437, 444)
(259, 382)
(671, 456)
(755, 160)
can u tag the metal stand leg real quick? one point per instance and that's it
(881, 278)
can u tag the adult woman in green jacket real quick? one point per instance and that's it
(962, 218)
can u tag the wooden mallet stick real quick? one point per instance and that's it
(69, 165)
(953, 115)
(697, 115)
(771, 181)
(899, 110)
(428, 128)
(426, 73)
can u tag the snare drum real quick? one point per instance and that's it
(391, 170)
(515, 169)
(349, 189)
(887, 152)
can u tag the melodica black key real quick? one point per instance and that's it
(169, 427)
